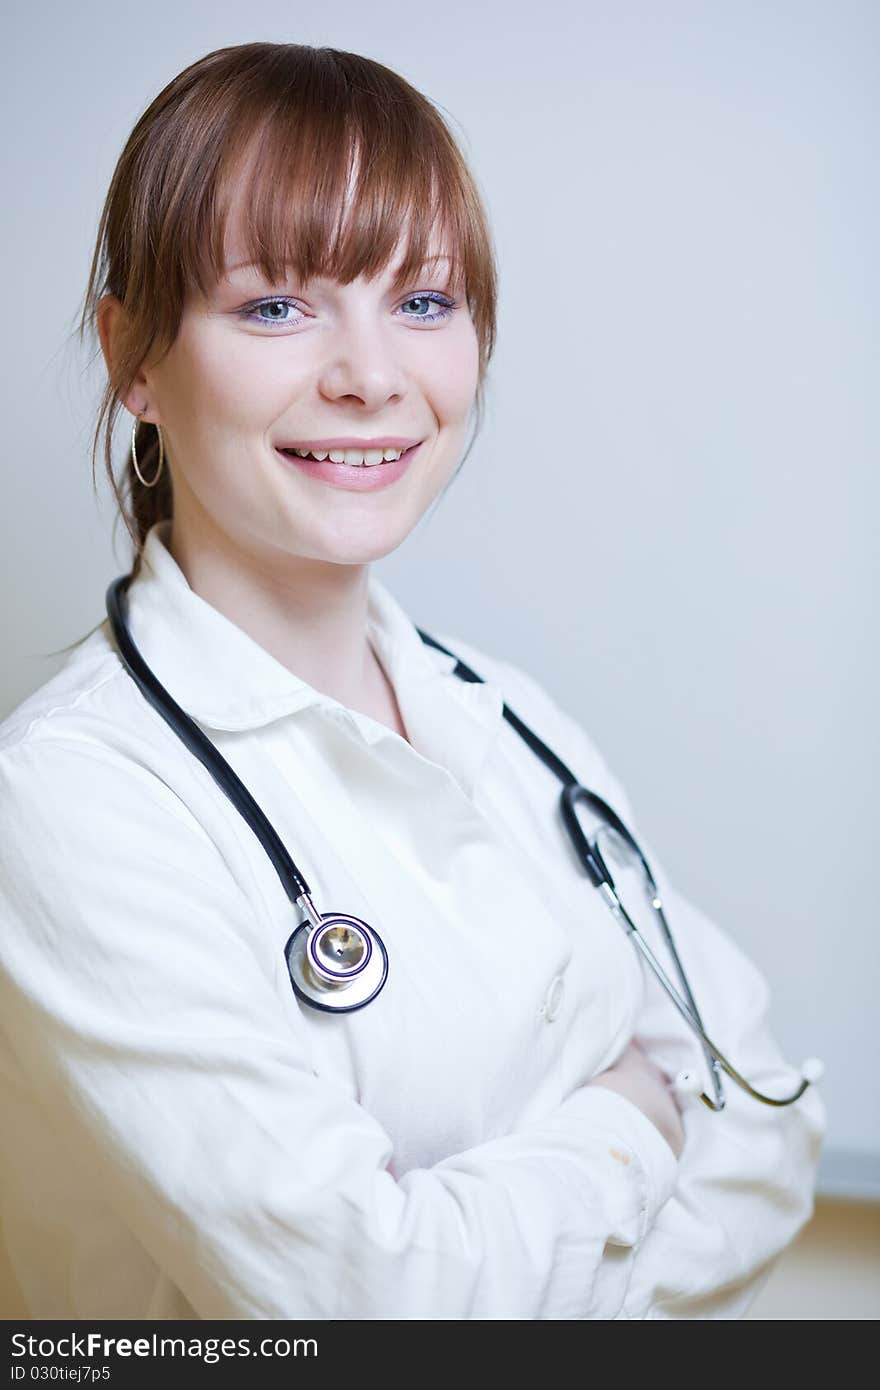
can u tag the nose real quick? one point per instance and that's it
(363, 365)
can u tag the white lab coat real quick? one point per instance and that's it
(183, 1138)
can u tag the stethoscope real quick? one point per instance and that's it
(338, 963)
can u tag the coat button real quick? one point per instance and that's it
(553, 998)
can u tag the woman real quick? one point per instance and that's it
(293, 257)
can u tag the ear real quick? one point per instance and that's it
(110, 318)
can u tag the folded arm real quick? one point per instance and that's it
(746, 1177)
(138, 1000)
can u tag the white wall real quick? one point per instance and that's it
(671, 515)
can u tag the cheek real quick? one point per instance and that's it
(241, 384)
(230, 378)
(455, 378)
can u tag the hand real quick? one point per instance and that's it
(641, 1081)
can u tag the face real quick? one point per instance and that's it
(258, 366)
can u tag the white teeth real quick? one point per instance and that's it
(360, 458)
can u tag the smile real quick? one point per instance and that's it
(357, 458)
(353, 470)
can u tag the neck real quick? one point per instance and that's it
(311, 615)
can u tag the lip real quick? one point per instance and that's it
(381, 441)
(353, 477)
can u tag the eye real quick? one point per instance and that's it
(251, 311)
(446, 310)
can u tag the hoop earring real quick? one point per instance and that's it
(134, 453)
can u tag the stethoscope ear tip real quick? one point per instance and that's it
(688, 1083)
(812, 1070)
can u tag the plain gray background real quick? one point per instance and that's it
(670, 517)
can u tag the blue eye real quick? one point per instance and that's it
(445, 310)
(253, 316)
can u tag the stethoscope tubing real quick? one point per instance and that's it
(292, 881)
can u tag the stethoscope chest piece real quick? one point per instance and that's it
(337, 964)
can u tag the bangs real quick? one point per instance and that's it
(329, 178)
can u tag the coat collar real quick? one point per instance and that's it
(225, 680)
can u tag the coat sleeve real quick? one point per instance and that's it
(141, 1013)
(746, 1176)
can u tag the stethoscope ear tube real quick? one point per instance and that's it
(686, 1082)
(589, 854)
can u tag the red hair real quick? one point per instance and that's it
(330, 153)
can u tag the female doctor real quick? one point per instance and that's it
(293, 258)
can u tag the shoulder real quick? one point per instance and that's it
(99, 811)
(90, 684)
(523, 692)
(486, 664)
(547, 715)
(83, 739)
